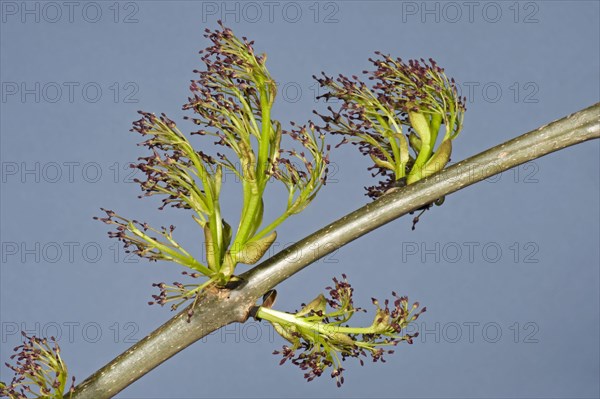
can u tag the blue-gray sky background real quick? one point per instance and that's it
(518, 316)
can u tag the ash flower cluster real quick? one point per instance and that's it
(320, 337)
(137, 238)
(402, 111)
(175, 167)
(232, 100)
(39, 371)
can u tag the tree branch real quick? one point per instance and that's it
(219, 307)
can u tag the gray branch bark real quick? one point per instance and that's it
(219, 307)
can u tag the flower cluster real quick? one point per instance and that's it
(320, 337)
(417, 96)
(302, 175)
(232, 101)
(39, 371)
(175, 169)
(136, 237)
